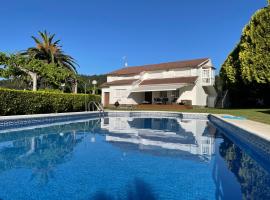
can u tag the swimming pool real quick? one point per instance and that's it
(131, 157)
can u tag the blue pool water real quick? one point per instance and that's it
(122, 158)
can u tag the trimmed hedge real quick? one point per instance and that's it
(18, 102)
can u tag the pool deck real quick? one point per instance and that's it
(259, 129)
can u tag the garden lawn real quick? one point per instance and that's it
(259, 115)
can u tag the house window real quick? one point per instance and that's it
(163, 94)
(175, 93)
(206, 76)
(206, 73)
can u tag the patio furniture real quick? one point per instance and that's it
(165, 100)
(126, 107)
(157, 100)
(174, 100)
(186, 102)
(145, 102)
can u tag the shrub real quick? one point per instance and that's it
(18, 102)
(50, 90)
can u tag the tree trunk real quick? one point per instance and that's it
(34, 79)
(75, 87)
(33, 76)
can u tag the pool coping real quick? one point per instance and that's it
(20, 121)
(255, 128)
(15, 117)
(134, 113)
(252, 127)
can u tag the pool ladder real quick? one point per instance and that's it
(96, 106)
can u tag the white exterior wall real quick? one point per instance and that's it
(187, 93)
(201, 98)
(122, 95)
(195, 93)
(116, 78)
(201, 95)
(170, 73)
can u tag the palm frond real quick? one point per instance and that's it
(51, 38)
(56, 42)
(37, 41)
(50, 51)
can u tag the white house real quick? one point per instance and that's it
(189, 81)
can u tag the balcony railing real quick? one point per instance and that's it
(208, 81)
(208, 76)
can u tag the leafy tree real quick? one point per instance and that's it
(17, 83)
(16, 65)
(22, 82)
(84, 80)
(255, 48)
(246, 71)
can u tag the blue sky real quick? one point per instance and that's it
(98, 33)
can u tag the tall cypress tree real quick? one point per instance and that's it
(246, 71)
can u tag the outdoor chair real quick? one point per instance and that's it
(174, 100)
(165, 100)
(157, 101)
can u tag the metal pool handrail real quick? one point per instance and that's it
(92, 105)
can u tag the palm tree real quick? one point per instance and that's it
(49, 50)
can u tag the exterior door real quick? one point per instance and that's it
(106, 99)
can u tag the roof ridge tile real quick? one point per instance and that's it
(132, 70)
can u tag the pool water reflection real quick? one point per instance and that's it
(122, 158)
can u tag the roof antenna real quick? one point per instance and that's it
(125, 61)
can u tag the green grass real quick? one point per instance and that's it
(259, 115)
(256, 114)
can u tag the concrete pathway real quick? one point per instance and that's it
(260, 129)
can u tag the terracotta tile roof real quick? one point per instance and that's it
(162, 66)
(189, 80)
(119, 82)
